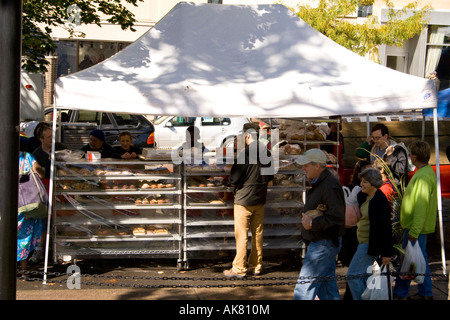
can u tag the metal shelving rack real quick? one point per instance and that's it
(209, 227)
(96, 216)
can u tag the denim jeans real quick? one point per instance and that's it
(319, 261)
(401, 288)
(361, 261)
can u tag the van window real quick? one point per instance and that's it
(88, 116)
(209, 121)
(123, 119)
(93, 117)
(105, 119)
(183, 121)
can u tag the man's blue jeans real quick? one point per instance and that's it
(401, 288)
(319, 261)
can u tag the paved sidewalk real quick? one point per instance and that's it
(119, 280)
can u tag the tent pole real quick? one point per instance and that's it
(439, 193)
(423, 128)
(50, 193)
(368, 125)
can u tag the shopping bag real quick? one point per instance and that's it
(379, 284)
(352, 212)
(32, 196)
(413, 265)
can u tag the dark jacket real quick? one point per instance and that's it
(118, 151)
(106, 150)
(326, 190)
(250, 186)
(380, 230)
(398, 164)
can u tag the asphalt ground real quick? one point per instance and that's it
(159, 279)
(145, 288)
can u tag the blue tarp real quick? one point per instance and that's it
(443, 107)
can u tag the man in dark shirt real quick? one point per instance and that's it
(249, 177)
(42, 153)
(97, 143)
(322, 233)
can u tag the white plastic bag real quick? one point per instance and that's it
(413, 262)
(352, 213)
(379, 284)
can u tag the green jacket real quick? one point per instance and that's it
(419, 204)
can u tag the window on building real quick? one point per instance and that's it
(93, 52)
(67, 52)
(396, 62)
(365, 11)
(75, 55)
(438, 55)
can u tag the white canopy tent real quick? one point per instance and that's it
(236, 61)
(226, 60)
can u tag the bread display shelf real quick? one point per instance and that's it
(314, 142)
(209, 205)
(146, 176)
(130, 237)
(209, 189)
(166, 204)
(120, 192)
(220, 169)
(92, 253)
(202, 221)
(208, 231)
(217, 244)
(118, 220)
(98, 201)
(118, 206)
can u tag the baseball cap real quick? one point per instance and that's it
(312, 155)
(98, 134)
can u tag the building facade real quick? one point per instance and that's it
(421, 55)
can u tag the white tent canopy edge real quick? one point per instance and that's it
(233, 60)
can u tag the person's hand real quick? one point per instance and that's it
(411, 238)
(389, 150)
(369, 139)
(306, 221)
(386, 260)
(383, 143)
(126, 155)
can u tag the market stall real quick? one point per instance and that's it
(232, 61)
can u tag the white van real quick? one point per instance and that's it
(170, 131)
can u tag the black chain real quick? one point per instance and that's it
(254, 281)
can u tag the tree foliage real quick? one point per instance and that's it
(330, 18)
(39, 16)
